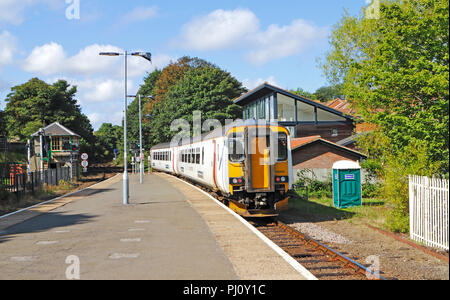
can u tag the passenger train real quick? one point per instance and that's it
(249, 163)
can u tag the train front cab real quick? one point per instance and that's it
(259, 170)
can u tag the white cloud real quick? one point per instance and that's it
(219, 29)
(278, 42)
(253, 83)
(97, 119)
(240, 29)
(51, 59)
(140, 14)
(102, 90)
(13, 11)
(7, 48)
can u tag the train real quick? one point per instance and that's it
(248, 163)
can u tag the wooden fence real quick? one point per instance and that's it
(428, 207)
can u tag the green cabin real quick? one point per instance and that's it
(347, 188)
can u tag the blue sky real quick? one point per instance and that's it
(256, 41)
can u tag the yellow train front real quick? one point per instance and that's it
(259, 169)
(249, 163)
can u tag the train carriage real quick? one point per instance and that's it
(249, 163)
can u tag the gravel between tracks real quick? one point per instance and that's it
(359, 242)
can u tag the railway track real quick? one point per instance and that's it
(322, 261)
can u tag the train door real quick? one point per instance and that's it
(259, 169)
(260, 162)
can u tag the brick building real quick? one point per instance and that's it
(317, 153)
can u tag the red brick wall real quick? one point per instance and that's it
(319, 155)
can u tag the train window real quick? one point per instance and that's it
(236, 149)
(203, 155)
(282, 147)
(197, 156)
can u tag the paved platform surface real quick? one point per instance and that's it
(169, 231)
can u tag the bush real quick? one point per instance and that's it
(371, 190)
(3, 193)
(316, 188)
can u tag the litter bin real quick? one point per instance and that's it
(347, 184)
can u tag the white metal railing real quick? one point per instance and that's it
(428, 211)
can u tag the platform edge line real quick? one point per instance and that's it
(292, 262)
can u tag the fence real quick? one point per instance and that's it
(20, 184)
(428, 206)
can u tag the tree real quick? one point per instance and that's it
(2, 123)
(204, 88)
(108, 138)
(327, 93)
(301, 92)
(395, 71)
(146, 90)
(36, 104)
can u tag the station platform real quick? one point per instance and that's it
(169, 231)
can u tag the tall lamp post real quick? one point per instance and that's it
(141, 157)
(147, 56)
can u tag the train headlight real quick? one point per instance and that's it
(283, 179)
(235, 181)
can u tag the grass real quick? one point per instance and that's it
(373, 210)
(10, 203)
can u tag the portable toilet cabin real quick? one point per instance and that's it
(347, 190)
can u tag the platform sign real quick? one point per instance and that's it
(84, 164)
(84, 156)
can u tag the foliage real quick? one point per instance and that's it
(394, 70)
(327, 93)
(146, 90)
(204, 88)
(316, 188)
(108, 138)
(301, 92)
(3, 124)
(35, 104)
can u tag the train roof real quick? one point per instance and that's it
(219, 132)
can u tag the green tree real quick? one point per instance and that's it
(146, 90)
(204, 88)
(108, 138)
(35, 104)
(2, 123)
(394, 70)
(301, 92)
(327, 93)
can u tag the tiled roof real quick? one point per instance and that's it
(297, 143)
(56, 129)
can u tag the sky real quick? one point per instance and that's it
(280, 42)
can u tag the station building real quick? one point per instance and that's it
(321, 133)
(303, 117)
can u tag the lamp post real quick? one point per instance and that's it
(141, 157)
(147, 56)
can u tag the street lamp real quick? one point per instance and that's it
(141, 157)
(147, 56)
